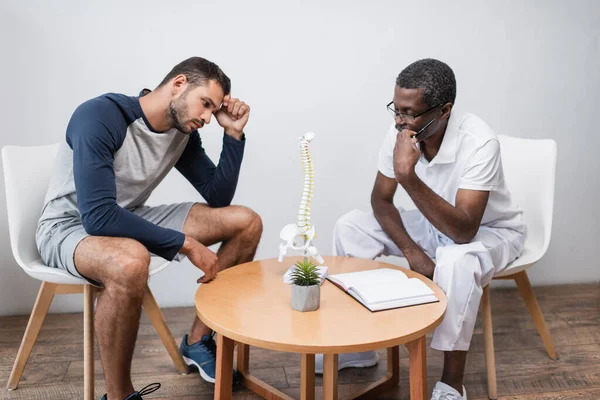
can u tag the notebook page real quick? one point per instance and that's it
(390, 291)
(371, 277)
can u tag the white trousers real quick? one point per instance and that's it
(462, 271)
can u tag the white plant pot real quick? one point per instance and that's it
(306, 298)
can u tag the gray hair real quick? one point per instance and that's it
(434, 77)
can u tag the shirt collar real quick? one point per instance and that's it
(449, 147)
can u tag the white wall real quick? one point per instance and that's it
(529, 68)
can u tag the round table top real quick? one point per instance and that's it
(250, 303)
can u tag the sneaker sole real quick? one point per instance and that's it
(203, 374)
(354, 364)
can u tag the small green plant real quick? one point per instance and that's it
(305, 273)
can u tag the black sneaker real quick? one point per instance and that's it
(151, 388)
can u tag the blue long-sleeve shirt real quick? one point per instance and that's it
(113, 159)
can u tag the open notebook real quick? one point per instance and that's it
(384, 288)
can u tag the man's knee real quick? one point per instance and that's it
(463, 270)
(130, 268)
(347, 222)
(257, 224)
(249, 221)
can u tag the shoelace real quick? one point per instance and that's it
(151, 388)
(211, 345)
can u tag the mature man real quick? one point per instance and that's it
(95, 225)
(464, 229)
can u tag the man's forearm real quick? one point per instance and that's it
(449, 220)
(109, 219)
(217, 184)
(221, 188)
(389, 218)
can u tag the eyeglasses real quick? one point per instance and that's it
(408, 117)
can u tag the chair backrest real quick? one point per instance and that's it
(529, 170)
(530, 173)
(27, 172)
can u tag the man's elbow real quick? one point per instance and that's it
(465, 236)
(93, 225)
(219, 202)
(462, 239)
(382, 209)
(378, 203)
(93, 228)
(373, 202)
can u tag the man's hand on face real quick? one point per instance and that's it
(406, 155)
(202, 257)
(233, 116)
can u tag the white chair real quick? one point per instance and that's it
(27, 172)
(529, 169)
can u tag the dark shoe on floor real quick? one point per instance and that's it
(202, 356)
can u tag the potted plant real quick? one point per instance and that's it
(306, 291)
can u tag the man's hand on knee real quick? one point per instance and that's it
(421, 263)
(202, 258)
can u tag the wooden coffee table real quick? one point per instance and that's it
(249, 304)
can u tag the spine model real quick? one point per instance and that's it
(303, 221)
(299, 236)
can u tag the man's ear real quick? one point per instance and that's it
(446, 110)
(179, 84)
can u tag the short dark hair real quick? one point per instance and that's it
(434, 77)
(199, 71)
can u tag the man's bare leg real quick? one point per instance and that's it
(237, 228)
(454, 369)
(121, 265)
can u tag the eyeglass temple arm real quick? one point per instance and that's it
(416, 135)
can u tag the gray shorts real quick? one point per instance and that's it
(57, 243)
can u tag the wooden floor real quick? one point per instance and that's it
(55, 369)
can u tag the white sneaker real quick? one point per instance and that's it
(441, 391)
(349, 360)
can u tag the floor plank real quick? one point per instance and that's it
(524, 371)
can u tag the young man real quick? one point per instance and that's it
(464, 229)
(95, 225)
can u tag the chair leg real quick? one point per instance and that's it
(88, 342)
(40, 309)
(488, 339)
(536, 313)
(159, 323)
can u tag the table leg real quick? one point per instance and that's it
(307, 377)
(393, 365)
(243, 358)
(330, 376)
(417, 368)
(223, 379)
(391, 378)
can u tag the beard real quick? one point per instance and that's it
(177, 113)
